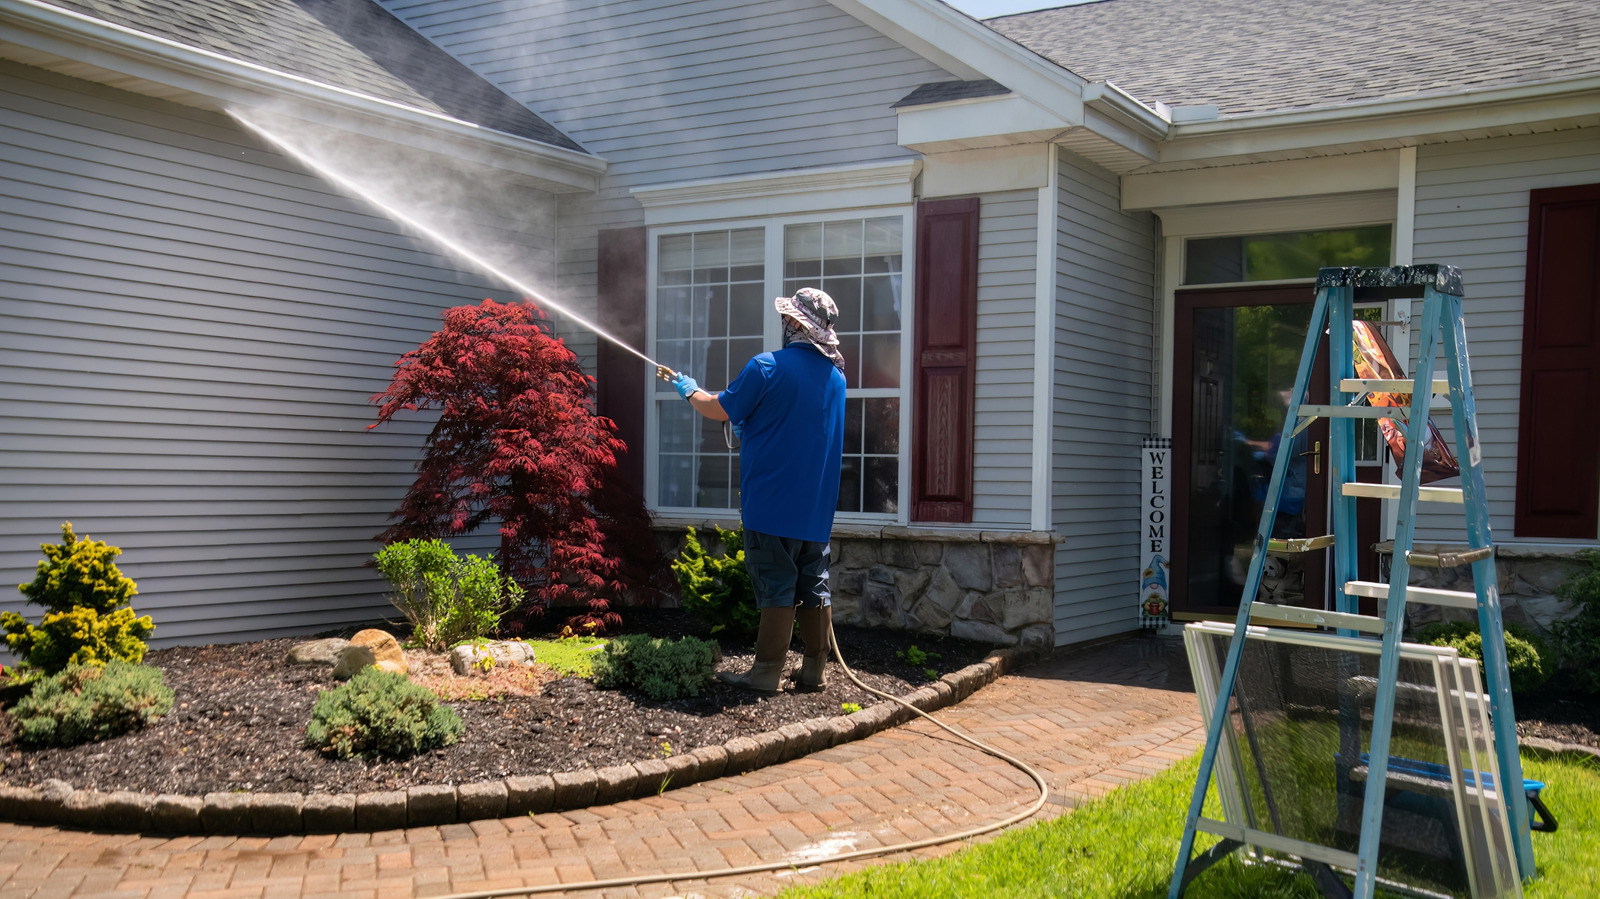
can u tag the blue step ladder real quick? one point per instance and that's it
(1441, 318)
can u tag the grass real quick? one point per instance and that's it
(1122, 846)
(570, 655)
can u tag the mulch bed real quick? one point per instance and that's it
(240, 713)
(1562, 717)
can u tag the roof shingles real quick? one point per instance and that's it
(1279, 55)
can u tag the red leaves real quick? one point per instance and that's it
(518, 444)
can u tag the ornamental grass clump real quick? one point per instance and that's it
(660, 669)
(446, 599)
(91, 702)
(88, 619)
(380, 713)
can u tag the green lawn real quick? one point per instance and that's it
(1122, 846)
(570, 655)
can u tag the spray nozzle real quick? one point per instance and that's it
(666, 374)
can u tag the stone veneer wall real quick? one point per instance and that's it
(1528, 579)
(994, 587)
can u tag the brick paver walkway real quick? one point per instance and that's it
(1087, 719)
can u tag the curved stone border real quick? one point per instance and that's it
(1556, 746)
(277, 814)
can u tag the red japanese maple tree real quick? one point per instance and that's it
(518, 444)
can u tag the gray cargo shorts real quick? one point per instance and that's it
(786, 571)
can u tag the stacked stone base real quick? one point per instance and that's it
(1528, 578)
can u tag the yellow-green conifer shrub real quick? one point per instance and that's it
(89, 621)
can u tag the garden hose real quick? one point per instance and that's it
(611, 883)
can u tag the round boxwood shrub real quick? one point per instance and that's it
(660, 669)
(91, 702)
(380, 713)
(1526, 655)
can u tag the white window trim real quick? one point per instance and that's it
(774, 232)
(826, 190)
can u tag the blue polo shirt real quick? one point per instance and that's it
(790, 405)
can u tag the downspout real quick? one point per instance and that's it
(1044, 348)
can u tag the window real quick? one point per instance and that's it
(1279, 257)
(713, 311)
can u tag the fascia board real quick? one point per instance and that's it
(1384, 120)
(1263, 180)
(998, 120)
(224, 82)
(792, 192)
(970, 50)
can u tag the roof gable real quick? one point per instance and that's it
(1281, 55)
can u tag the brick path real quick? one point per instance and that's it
(1088, 720)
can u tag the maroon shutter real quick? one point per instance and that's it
(1558, 440)
(620, 376)
(946, 359)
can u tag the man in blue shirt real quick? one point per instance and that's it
(788, 409)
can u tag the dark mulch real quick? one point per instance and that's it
(240, 714)
(1559, 716)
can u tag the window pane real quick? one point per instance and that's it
(717, 296)
(740, 352)
(883, 240)
(746, 253)
(716, 367)
(802, 252)
(850, 346)
(846, 293)
(747, 308)
(841, 248)
(852, 426)
(711, 257)
(672, 313)
(880, 484)
(880, 360)
(881, 425)
(712, 483)
(1274, 257)
(880, 303)
(677, 427)
(1213, 260)
(677, 480)
(674, 260)
(850, 484)
(674, 354)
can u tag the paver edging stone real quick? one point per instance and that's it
(277, 814)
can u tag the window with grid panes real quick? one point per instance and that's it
(858, 263)
(710, 308)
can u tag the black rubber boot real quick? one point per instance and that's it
(816, 626)
(772, 647)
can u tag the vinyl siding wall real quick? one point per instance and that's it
(1105, 353)
(1003, 423)
(1472, 212)
(190, 329)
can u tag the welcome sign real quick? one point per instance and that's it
(1155, 520)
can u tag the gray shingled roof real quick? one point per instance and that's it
(352, 44)
(1272, 55)
(944, 91)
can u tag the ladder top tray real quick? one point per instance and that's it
(1443, 278)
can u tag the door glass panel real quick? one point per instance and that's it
(1245, 361)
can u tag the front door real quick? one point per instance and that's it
(1236, 353)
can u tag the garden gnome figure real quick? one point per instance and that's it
(788, 409)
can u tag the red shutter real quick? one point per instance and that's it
(1558, 440)
(620, 376)
(946, 359)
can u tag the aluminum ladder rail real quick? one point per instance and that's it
(1334, 310)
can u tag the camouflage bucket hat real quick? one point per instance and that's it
(810, 313)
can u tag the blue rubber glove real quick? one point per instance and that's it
(738, 430)
(685, 385)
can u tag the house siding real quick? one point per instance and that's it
(1002, 483)
(1105, 356)
(190, 330)
(1472, 212)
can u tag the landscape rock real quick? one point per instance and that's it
(317, 652)
(468, 658)
(370, 647)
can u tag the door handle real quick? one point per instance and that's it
(1316, 457)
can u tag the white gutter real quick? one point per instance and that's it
(1106, 97)
(229, 82)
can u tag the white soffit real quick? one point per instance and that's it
(1264, 180)
(91, 49)
(1022, 167)
(977, 123)
(793, 192)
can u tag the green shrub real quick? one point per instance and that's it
(380, 713)
(88, 620)
(91, 702)
(660, 669)
(1579, 636)
(716, 588)
(445, 598)
(1526, 655)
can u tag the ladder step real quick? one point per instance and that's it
(1449, 560)
(1392, 491)
(1455, 599)
(1277, 843)
(1318, 410)
(1386, 385)
(1300, 544)
(1296, 615)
